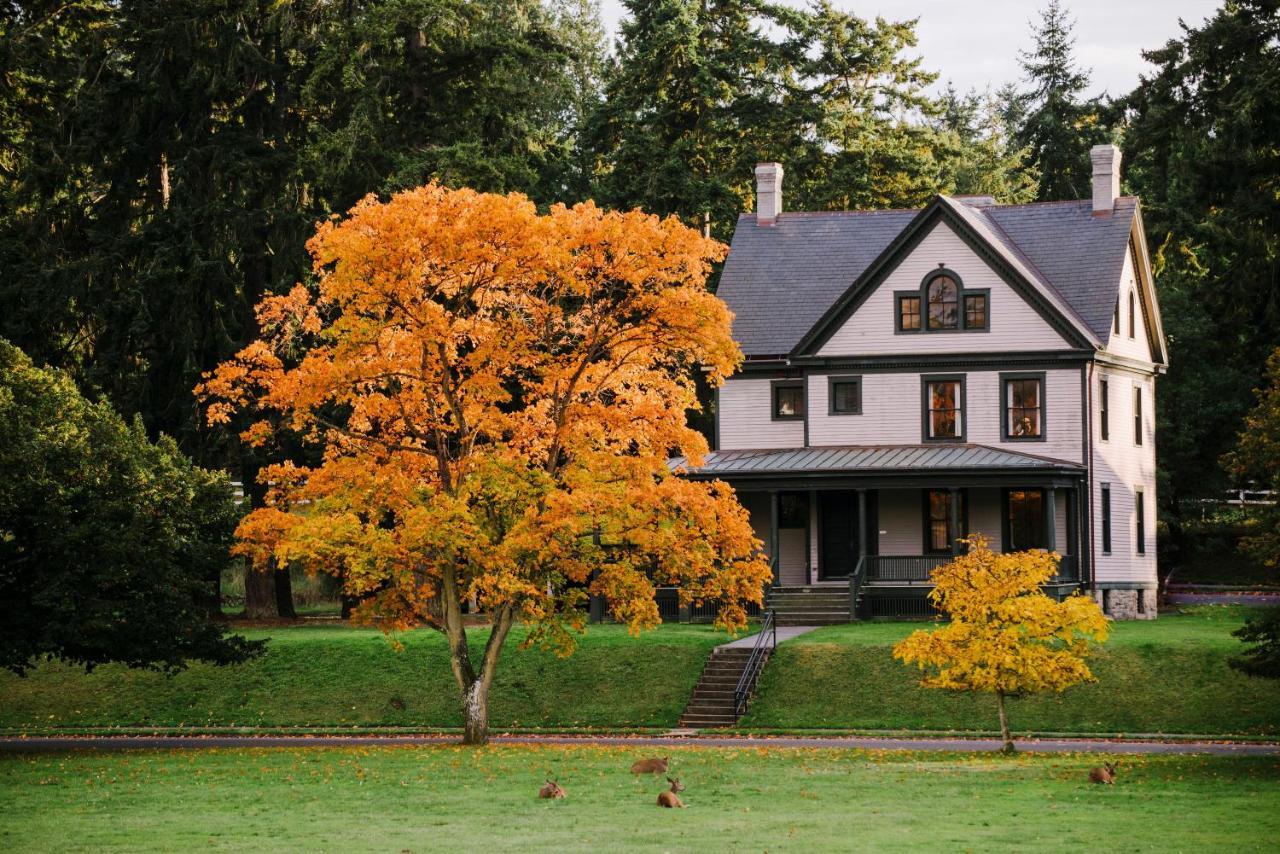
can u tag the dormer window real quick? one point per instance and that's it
(943, 304)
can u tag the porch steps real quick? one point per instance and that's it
(712, 702)
(810, 605)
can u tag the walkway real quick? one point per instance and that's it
(58, 744)
(785, 633)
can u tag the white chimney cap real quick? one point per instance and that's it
(1106, 178)
(768, 193)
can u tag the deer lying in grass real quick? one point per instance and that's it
(669, 799)
(650, 766)
(551, 790)
(1106, 774)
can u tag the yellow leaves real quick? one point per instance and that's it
(491, 387)
(1005, 634)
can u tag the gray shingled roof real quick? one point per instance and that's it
(778, 281)
(867, 459)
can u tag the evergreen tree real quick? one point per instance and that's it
(1056, 125)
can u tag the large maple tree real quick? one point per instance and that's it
(497, 394)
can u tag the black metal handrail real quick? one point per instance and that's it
(856, 578)
(755, 663)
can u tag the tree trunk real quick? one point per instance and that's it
(475, 710)
(259, 593)
(1004, 726)
(284, 594)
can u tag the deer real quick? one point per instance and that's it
(650, 766)
(669, 799)
(1106, 774)
(551, 790)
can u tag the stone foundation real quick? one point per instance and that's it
(1127, 604)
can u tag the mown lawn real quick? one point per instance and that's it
(1163, 676)
(337, 676)
(456, 799)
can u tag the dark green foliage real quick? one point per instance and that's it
(1263, 657)
(108, 541)
(1053, 121)
(1201, 148)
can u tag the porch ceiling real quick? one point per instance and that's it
(874, 459)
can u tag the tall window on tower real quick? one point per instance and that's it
(1023, 406)
(944, 408)
(1024, 522)
(944, 303)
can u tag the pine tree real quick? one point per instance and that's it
(1059, 127)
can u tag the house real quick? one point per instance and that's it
(913, 376)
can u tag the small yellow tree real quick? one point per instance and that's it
(1006, 636)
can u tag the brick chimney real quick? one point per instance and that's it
(1106, 178)
(768, 193)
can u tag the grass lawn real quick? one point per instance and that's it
(1164, 676)
(450, 798)
(338, 676)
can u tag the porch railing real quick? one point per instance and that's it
(919, 568)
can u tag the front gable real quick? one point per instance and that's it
(1136, 331)
(1023, 314)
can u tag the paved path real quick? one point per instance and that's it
(58, 744)
(784, 633)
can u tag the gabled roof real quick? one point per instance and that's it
(869, 459)
(782, 281)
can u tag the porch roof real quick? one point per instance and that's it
(872, 459)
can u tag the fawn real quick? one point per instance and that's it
(551, 790)
(650, 766)
(1106, 774)
(669, 799)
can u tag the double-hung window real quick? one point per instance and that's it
(937, 519)
(844, 395)
(1023, 406)
(943, 408)
(788, 401)
(1137, 415)
(1104, 399)
(1024, 520)
(1140, 511)
(1106, 518)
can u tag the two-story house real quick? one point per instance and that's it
(913, 376)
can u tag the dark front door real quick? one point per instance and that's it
(838, 533)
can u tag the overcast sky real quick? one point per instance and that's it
(975, 43)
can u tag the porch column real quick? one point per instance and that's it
(1073, 534)
(953, 521)
(811, 534)
(862, 523)
(1050, 520)
(774, 508)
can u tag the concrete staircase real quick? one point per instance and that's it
(810, 605)
(712, 702)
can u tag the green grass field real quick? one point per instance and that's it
(1166, 676)
(337, 676)
(457, 799)
(1163, 676)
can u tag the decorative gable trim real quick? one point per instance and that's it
(938, 210)
(1146, 287)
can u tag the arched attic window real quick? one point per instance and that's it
(943, 297)
(943, 304)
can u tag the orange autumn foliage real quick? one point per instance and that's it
(497, 393)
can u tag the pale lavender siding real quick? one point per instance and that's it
(1015, 325)
(745, 422)
(1126, 466)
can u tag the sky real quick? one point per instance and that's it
(975, 43)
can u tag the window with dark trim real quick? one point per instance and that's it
(1116, 321)
(937, 519)
(1024, 520)
(943, 406)
(1132, 312)
(1022, 406)
(1104, 398)
(1140, 511)
(975, 311)
(908, 313)
(1106, 518)
(788, 401)
(1137, 415)
(943, 304)
(844, 395)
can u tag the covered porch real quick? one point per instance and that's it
(877, 521)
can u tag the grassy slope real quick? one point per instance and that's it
(341, 676)
(449, 798)
(1164, 676)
